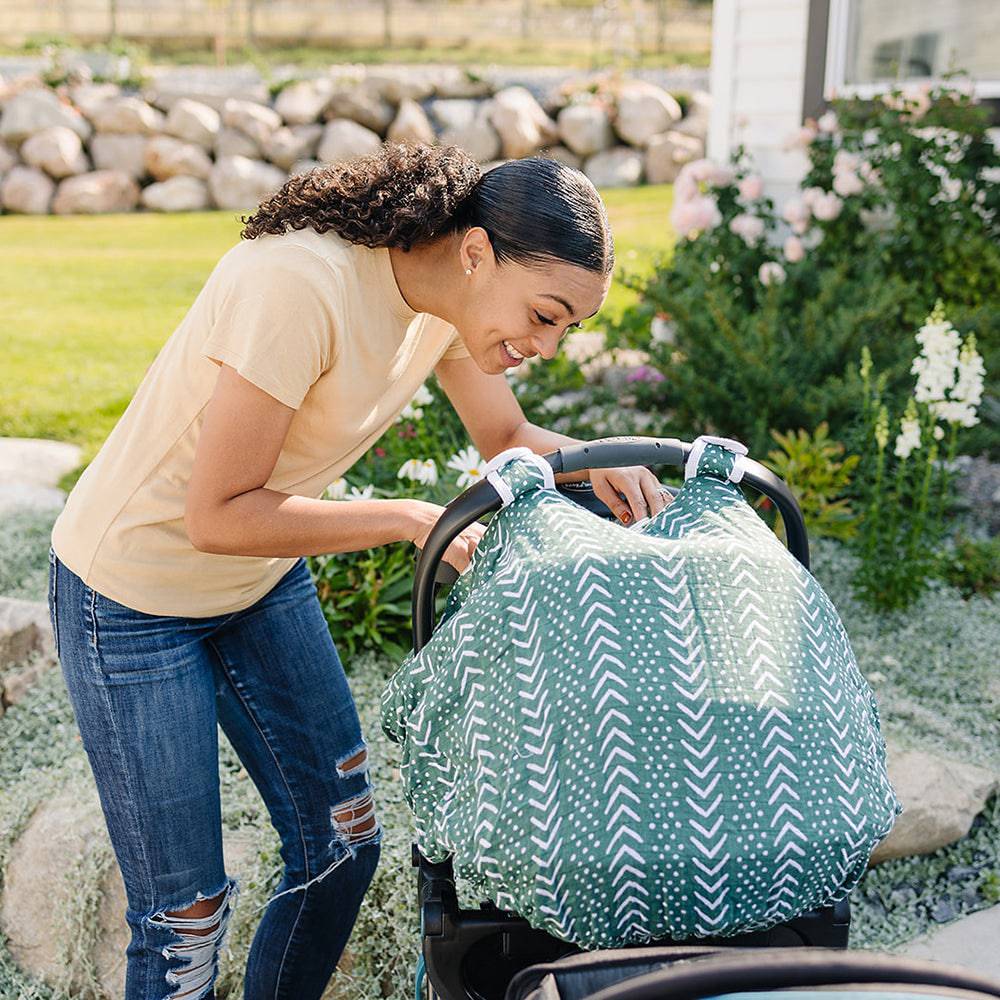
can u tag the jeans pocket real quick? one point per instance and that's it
(52, 593)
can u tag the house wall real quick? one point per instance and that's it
(757, 81)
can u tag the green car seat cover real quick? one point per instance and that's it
(625, 735)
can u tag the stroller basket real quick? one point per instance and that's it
(475, 954)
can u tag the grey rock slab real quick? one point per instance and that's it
(971, 942)
(36, 460)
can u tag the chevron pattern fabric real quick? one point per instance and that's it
(628, 735)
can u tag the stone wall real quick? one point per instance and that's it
(84, 147)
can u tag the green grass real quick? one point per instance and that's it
(89, 300)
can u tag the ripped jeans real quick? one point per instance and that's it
(147, 693)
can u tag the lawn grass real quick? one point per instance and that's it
(89, 300)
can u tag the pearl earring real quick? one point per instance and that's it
(468, 270)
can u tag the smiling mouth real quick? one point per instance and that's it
(511, 355)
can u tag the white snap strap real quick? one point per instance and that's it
(521, 451)
(730, 444)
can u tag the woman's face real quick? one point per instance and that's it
(524, 308)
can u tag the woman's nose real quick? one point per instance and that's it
(547, 344)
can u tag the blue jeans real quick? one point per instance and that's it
(147, 693)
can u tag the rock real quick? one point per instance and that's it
(178, 194)
(940, 799)
(302, 103)
(38, 889)
(239, 182)
(126, 153)
(667, 153)
(128, 116)
(24, 629)
(563, 155)
(411, 123)
(194, 122)
(168, 157)
(479, 139)
(209, 85)
(344, 139)
(454, 81)
(97, 192)
(970, 943)
(253, 120)
(27, 190)
(304, 166)
(57, 150)
(8, 158)
(16, 683)
(21, 496)
(454, 113)
(396, 84)
(36, 460)
(87, 97)
(618, 167)
(695, 122)
(521, 123)
(36, 109)
(288, 145)
(585, 128)
(644, 110)
(233, 142)
(363, 105)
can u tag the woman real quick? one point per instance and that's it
(179, 591)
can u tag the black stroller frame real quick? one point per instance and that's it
(473, 954)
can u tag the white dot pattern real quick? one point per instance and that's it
(627, 735)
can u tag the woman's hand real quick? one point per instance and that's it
(461, 547)
(641, 488)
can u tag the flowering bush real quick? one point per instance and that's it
(905, 493)
(757, 320)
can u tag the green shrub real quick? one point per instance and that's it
(973, 565)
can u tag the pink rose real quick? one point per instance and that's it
(795, 212)
(827, 207)
(848, 183)
(794, 250)
(801, 138)
(771, 272)
(751, 187)
(695, 214)
(749, 228)
(827, 122)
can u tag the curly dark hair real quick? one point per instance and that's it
(534, 209)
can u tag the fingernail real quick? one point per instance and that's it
(626, 516)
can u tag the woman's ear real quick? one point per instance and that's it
(476, 249)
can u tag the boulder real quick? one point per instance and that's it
(521, 123)
(695, 122)
(396, 84)
(126, 153)
(209, 85)
(25, 629)
(940, 797)
(8, 158)
(455, 81)
(127, 116)
(667, 153)
(57, 150)
(168, 157)
(479, 139)
(455, 113)
(303, 102)
(585, 128)
(178, 194)
(239, 182)
(288, 145)
(344, 139)
(233, 142)
(411, 123)
(304, 166)
(617, 167)
(194, 122)
(96, 192)
(64, 832)
(33, 110)
(361, 104)
(563, 155)
(27, 190)
(644, 110)
(88, 97)
(254, 120)
(36, 460)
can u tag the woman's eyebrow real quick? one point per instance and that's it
(565, 304)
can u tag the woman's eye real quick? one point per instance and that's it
(544, 319)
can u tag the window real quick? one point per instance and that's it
(873, 44)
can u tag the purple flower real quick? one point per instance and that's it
(644, 373)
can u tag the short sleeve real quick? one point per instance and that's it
(456, 348)
(275, 324)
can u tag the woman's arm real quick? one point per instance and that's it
(495, 421)
(228, 510)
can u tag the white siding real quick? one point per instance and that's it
(758, 74)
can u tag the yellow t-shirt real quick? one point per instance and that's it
(312, 319)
